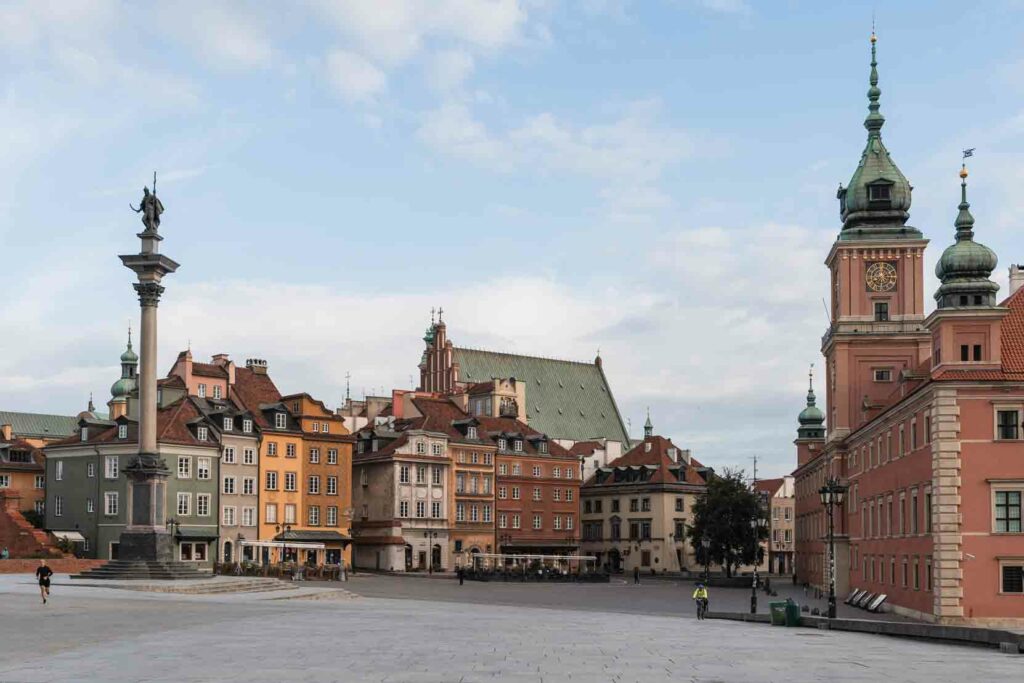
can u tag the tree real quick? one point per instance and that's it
(724, 514)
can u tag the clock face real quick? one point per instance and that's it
(881, 277)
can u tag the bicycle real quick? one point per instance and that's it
(702, 608)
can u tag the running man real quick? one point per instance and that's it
(43, 573)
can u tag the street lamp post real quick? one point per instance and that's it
(832, 494)
(757, 523)
(705, 543)
(284, 541)
(430, 536)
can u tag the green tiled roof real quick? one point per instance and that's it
(564, 399)
(39, 425)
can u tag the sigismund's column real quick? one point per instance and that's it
(146, 537)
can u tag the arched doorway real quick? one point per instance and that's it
(615, 561)
(473, 558)
(408, 557)
(227, 551)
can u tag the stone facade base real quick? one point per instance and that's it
(146, 546)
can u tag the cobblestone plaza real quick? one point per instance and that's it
(437, 631)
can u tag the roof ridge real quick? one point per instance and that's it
(526, 355)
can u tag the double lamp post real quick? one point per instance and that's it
(832, 494)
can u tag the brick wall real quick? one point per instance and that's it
(59, 566)
(19, 537)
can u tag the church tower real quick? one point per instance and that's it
(877, 272)
(122, 388)
(810, 435)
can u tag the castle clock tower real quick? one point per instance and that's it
(877, 273)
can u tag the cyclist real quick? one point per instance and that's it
(700, 596)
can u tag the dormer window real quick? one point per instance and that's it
(202, 433)
(247, 426)
(216, 391)
(85, 433)
(316, 426)
(542, 446)
(202, 391)
(471, 432)
(280, 421)
(517, 446)
(647, 447)
(122, 431)
(502, 444)
(228, 424)
(881, 192)
(421, 447)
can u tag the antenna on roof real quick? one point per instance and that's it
(828, 316)
(348, 377)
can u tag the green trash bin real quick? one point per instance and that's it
(792, 613)
(778, 613)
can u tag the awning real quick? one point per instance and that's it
(188, 534)
(73, 536)
(313, 536)
(282, 544)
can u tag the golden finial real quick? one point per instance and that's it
(874, 38)
(963, 171)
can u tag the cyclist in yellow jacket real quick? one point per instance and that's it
(700, 596)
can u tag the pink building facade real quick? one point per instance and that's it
(924, 413)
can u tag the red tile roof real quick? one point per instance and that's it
(769, 486)
(20, 445)
(657, 456)
(251, 389)
(209, 370)
(171, 427)
(585, 447)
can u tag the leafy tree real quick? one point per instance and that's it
(724, 514)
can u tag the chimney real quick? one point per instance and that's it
(6, 431)
(684, 456)
(257, 365)
(1016, 278)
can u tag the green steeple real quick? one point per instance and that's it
(812, 420)
(966, 266)
(648, 427)
(129, 370)
(876, 203)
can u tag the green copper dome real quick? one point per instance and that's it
(129, 360)
(966, 266)
(129, 356)
(877, 200)
(122, 387)
(811, 418)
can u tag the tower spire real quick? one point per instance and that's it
(648, 426)
(964, 220)
(875, 120)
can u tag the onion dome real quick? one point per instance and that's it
(811, 418)
(877, 200)
(966, 266)
(129, 356)
(129, 362)
(122, 387)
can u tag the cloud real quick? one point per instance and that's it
(227, 35)
(726, 6)
(448, 69)
(354, 77)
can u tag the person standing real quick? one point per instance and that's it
(43, 574)
(5, 553)
(636, 575)
(461, 574)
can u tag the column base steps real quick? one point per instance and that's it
(125, 570)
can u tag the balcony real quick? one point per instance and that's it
(854, 327)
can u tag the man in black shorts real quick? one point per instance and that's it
(43, 573)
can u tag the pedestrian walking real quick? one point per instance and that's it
(636, 575)
(461, 574)
(43, 574)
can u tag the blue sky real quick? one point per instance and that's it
(655, 179)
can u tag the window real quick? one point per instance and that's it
(58, 506)
(228, 457)
(332, 515)
(314, 455)
(421, 474)
(913, 434)
(1012, 577)
(421, 448)
(436, 448)
(110, 466)
(229, 485)
(203, 504)
(203, 466)
(542, 447)
(502, 493)
(556, 494)
(314, 484)
(247, 425)
(332, 486)
(249, 486)
(502, 469)
(536, 493)
(289, 513)
(905, 579)
(976, 351)
(110, 506)
(502, 444)
(421, 508)
(271, 513)
(474, 513)
(290, 483)
(471, 432)
(435, 509)
(927, 429)
(556, 473)
(435, 475)
(316, 426)
(272, 448)
(289, 450)
(40, 481)
(460, 482)
(616, 525)
(202, 391)
(325, 427)
(913, 512)
(1007, 425)
(122, 431)
(403, 508)
(538, 522)
(488, 458)
(271, 484)
(5, 481)
(313, 515)
(502, 520)
(460, 512)
(917, 574)
(517, 469)
(883, 375)
(202, 433)
(228, 423)
(364, 479)
(568, 497)
(515, 493)
(90, 505)
(536, 470)
(248, 516)
(881, 311)
(1008, 512)
(280, 421)
(679, 505)
(634, 505)
(557, 523)
(332, 456)
(615, 505)
(645, 505)
(487, 513)
(90, 470)
(516, 522)
(184, 506)
(928, 513)
(403, 474)
(879, 193)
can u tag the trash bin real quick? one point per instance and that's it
(792, 613)
(778, 613)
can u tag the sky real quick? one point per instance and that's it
(655, 180)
